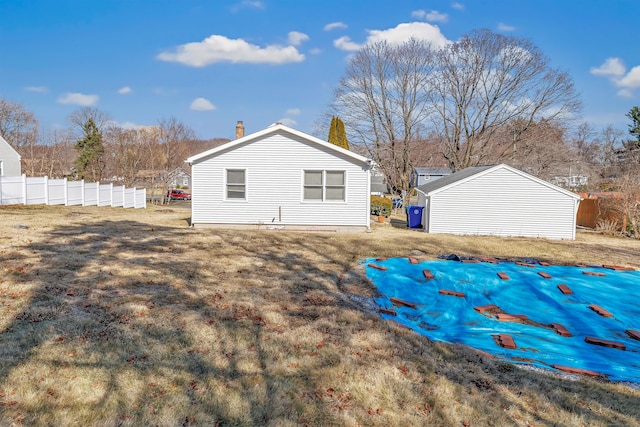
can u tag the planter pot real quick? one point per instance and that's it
(381, 219)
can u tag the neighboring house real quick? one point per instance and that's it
(179, 177)
(424, 175)
(9, 159)
(280, 178)
(498, 200)
(378, 183)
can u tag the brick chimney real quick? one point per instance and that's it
(239, 130)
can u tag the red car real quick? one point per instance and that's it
(178, 195)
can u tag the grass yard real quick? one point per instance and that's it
(129, 317)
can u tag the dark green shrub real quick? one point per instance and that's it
(381, 206)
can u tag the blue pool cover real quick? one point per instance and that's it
(526, 292)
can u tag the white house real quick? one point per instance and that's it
(498, 200)
(9, 159)
(280, 178)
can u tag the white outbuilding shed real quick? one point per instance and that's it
(9, 159)
(280, 178)
(498, 200)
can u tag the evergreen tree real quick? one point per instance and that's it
(634, 127)
(341, 134)
(332, 131)
(90, 151)
(337, 134)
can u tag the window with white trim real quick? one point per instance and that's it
(324, 186)
(236, 184)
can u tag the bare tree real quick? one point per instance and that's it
(382, 101)
(81, 116)
(486, 81)
(20, 128)
(174, 139)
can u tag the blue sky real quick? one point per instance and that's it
(210, 63)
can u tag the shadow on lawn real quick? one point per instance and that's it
(155, 328)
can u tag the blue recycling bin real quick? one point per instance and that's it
(414, 216)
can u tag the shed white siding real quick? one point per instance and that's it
(10, 159)
(275, 165)
(502, 202)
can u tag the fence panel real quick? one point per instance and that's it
(141, 198)
(12, 190)
(57, 189)
(117, 200)
(129, 198)
(17, 190)
(74, 193)
(104, 192)
(90, 194)
(36, 190)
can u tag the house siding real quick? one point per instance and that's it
(274, 167)
(503, 203)
(10, 159)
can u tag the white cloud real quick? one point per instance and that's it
(345, 43)
(632, 79)
(218, 48)
(77, 98)
(202, 104)
(292, 112)
(616, 71)
(335, 25)
(38, 89)
(296, 38)
(288, 122)
(397, 35)
(433, 16)
(125, 90)
(611, 67)
(315, 51)
(505, 27)
(457, 6)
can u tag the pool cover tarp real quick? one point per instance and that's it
(454, 319)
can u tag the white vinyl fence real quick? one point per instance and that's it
(23, 190)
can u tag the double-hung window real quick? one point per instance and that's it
(324, 186)
(236, 184)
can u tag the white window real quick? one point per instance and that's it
(321, 186)
(236, 184)
(1, 168)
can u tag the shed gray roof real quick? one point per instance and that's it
(432, 170)
(454, 177)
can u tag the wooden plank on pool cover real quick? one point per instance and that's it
(565, 289)
(544, 275)
(633, 334)
(503, 276)
(506, 317)
(618, 267)
(601, 311)
(487, 308)
(451, 293)
(561, 330)
(571, 370)
(398, 301)
(428, 274)
(506, 341)
(389, 312)
(593, 273)
(413, 260)
(524, 264)
(377, 267)
(605, 343)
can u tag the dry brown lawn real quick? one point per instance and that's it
(129, 317)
